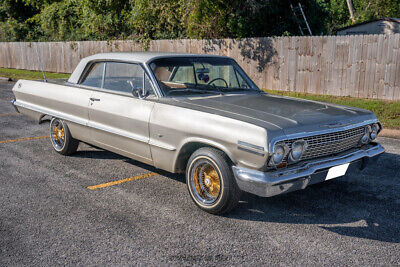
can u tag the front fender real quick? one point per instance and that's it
(205, 142)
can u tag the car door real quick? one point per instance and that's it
(119, 120)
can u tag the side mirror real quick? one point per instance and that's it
(137, 91)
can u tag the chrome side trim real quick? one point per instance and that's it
(272, 183)
(115, 131)
(51, 112)
(245, 144)
(161, 145)
(251, 151)
(88, 123)
(250, 148)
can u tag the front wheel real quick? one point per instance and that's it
(210, 181)
(61, 138)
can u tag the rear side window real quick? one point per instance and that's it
(94, 76)
(122, 77)
(119, 77)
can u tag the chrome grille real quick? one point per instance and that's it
(331, 143)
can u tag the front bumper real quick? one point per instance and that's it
(13, 104)
(271, 183)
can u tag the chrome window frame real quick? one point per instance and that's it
(239, 70)
(84, 73)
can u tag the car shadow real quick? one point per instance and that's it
(174, 176)
(361, 204)
(98, 153)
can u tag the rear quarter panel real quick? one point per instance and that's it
(36, 99)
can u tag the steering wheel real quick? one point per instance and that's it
(216, 79)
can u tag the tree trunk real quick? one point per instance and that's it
(351, 9)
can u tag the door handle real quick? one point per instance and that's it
(94, 99)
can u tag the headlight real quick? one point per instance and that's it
(298, 148)
(374, 131)
(366, 137)
(279, 154)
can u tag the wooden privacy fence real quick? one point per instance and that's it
(365, 66)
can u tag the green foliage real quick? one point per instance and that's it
(55, 20)
(365, 10)
(157, 19)
(13, 14)
(207, 19)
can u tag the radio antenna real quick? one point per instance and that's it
(41, 65)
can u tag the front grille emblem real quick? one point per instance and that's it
(335, 124)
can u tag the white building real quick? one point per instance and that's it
(378, 26)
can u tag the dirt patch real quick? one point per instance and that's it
(390, 133)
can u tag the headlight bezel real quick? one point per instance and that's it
(303, 144)
(365, 139)
(375, 129)
(277, 147)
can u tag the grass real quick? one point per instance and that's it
(30, 75)
(388, 112)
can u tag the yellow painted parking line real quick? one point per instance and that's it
(23, 139)
(122, 181)
(9, 114)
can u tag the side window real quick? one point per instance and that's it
(122, 76)
(184, 74)
(242, 82)
(94, 76)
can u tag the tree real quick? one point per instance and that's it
(351, 9)
(339, 15)
(13, 16)
(56, 20)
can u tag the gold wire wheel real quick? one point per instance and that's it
(57, 134)
(207, 182)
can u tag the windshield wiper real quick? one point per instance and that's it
(191, 90)
(231, 89)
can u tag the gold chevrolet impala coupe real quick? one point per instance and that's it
(203, 116)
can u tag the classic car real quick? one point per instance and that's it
(203, 116)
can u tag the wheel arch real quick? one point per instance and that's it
(191, 145)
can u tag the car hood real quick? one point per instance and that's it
(291, 115)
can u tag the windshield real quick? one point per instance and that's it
(199, 75)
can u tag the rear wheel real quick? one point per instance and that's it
(210, 181)
(61, 138)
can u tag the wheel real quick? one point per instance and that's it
(61, 138)
(210, 181)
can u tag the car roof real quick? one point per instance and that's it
(140, 57)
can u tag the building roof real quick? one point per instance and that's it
(397, 20)
(140, 57)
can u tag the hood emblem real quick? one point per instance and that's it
(335, 124)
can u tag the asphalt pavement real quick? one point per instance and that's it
(49, 216)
